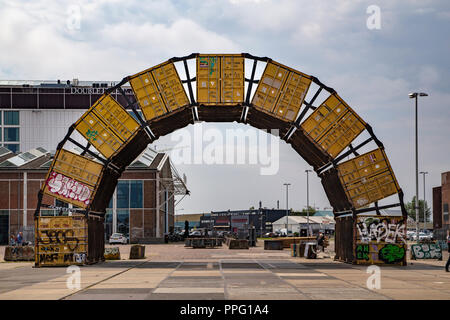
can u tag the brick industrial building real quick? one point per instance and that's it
(441, 202)
(34, 118)
(142, 206)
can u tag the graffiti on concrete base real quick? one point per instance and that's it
(391, 253)
(380, 240)
(380, 253)
(426, 251)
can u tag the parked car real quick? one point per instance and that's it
(195, 233)
(422, 236)
(118, 238)
(270, 235)
(410, 235)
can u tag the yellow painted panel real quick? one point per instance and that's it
(281, 91)
(147, 95)
(73, 178)
(333, 125)
(220, 79)
(368, 178)
(61, 240)
(159, 90)
(107, 126)
(170, 86)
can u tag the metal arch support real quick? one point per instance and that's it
(178, 185)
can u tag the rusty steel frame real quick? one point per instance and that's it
(171, 121)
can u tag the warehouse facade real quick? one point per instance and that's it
(232, 221)
(142, 206)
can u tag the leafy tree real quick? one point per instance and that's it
(252, 208)
(311, 211)
(410, 208)
(303, 213)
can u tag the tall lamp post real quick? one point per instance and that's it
(287, 206)
(424, 206)
(307, 200)
(415, 95)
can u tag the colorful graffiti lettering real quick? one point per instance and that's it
(91, 134)
(58, 237)
(203, 62)
(212, 63)
(381, 230)
(362, 252)
(392, 253)
(68, 188)
(380, 253)
(426, 251)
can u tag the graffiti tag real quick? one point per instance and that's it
(380, 230)
(426, 251)
(65, 237)
(68, 188)
(392, 253)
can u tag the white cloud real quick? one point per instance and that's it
(372, 70)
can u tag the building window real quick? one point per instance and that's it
(134, 116)
(108, 224)
(129, 194)
(4, 226)
(136, 200)
(14, 147)
(11, 134)
(123, 222)
(11, 118)
(123, 194)
(61, 204)
(9, 130)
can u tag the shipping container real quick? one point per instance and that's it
(73, 178)
(281, 91)
(159, 90)
(220, 79)
(68, 240)
(333, 125)
(371, 239)
(107, 126)
(368, 178)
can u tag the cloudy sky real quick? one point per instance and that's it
(373, 70)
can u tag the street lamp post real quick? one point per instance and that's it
(307, 200)
(424, 207)
(287, 206)
(415, 95)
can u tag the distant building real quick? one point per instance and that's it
(35, 115)
(441, 201)
(142, 206)
(193, 219)
(299, 224)
(232, 221)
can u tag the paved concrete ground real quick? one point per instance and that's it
(172, 271)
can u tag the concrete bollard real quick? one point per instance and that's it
(112, 253)
(19, 253)
(137, 252)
